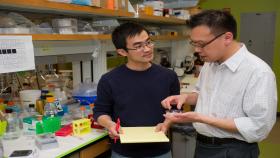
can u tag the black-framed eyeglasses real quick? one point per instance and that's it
(202, 45)
(141, 46)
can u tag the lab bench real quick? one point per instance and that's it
(88, 145)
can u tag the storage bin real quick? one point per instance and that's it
(65, 22)
(66, 30)
(85, 93)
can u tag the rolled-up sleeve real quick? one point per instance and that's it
(260, 106)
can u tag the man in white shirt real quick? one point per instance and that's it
(236, 95)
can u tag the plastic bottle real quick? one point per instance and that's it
(83, 112)
(49, 108)
(11, 105)
(24, 126)
(40, 106)
(91, 108)
(32, 111)
(88, 111)
(12, 129)
(66, 118)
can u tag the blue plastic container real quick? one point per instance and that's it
(85, 93)
(85, 100)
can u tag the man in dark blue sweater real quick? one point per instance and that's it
(133, 92)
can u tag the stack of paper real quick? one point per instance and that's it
(142, 135)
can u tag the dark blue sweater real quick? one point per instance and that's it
(135, 97)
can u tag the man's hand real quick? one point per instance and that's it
(179, 100)
(106, 121)
(113, 133)
(183, 117)
(163, 126)
(223, 123)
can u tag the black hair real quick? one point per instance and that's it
(217, 20)
(122, 32)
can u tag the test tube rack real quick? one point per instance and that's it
(81, 126)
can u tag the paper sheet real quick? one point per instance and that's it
(16, 54)
(142, 135)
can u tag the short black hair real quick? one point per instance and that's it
(125, 30)
(217, 20)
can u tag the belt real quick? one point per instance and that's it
(217, 141)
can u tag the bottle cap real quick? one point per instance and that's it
(31, 106)
(91, 105)
(39, 117)
(10, 103)
(82, 108)
(50, 99)
(9, 110)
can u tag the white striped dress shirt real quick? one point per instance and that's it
(242, 88)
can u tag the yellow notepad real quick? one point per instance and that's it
(142, 135)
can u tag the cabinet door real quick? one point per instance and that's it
(257, 31)
(95, 149)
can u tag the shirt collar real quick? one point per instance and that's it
(234, 61)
